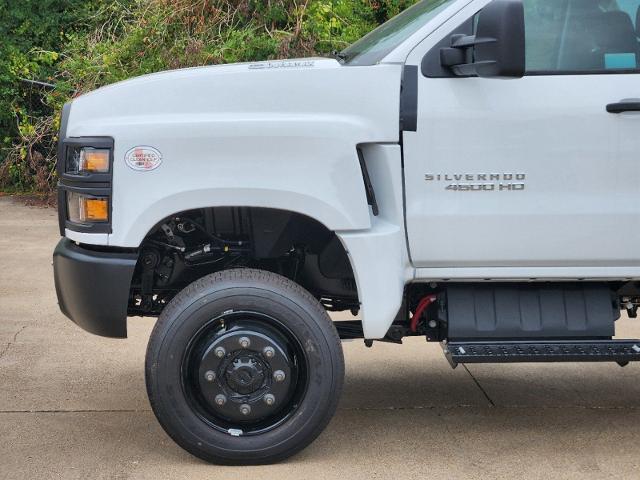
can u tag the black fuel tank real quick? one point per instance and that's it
(532, 311)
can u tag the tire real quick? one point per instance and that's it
(264, 345)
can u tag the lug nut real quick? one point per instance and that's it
(269, 399)
(433, 324)
(220, 352)
(244, 342)
(210, 376)
(220, 400)
(245, 409)
(279, 376)
(269, 352)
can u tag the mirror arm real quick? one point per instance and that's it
(469, 69)
(456, 57)
(467, 41)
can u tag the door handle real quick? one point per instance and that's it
(631, 105)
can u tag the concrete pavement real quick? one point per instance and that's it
(74, 406)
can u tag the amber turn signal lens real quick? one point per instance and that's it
(85, 209)
(95, 209)
(94, 160)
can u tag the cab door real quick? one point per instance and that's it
(537, 171)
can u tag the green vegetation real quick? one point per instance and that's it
(79, 45)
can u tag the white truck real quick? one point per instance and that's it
(469, 172)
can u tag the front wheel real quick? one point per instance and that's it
(244, 367)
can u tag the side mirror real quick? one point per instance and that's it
(497, 50)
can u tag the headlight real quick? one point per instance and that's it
(88, 160)
(86, 208)
(85, 171)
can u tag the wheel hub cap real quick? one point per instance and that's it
(246, 374)
(251, 380)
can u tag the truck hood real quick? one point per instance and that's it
(315, 86)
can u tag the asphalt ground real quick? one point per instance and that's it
(73, 405)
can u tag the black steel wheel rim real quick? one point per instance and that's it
(244, 373)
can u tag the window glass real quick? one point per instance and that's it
(567, 36)
(373, 47)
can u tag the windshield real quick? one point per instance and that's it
(373, 47)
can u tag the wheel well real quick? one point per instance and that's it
(188, 245)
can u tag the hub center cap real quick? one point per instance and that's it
(245, 375)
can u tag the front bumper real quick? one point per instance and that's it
(93, 287)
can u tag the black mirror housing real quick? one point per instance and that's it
(501, 24)
(497, 50)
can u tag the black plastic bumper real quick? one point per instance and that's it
(93, 287)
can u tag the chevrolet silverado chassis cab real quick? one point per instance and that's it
(469, 173)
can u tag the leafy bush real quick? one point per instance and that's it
(33, 34)
(79, 45)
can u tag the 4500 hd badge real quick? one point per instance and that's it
(479, 182)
